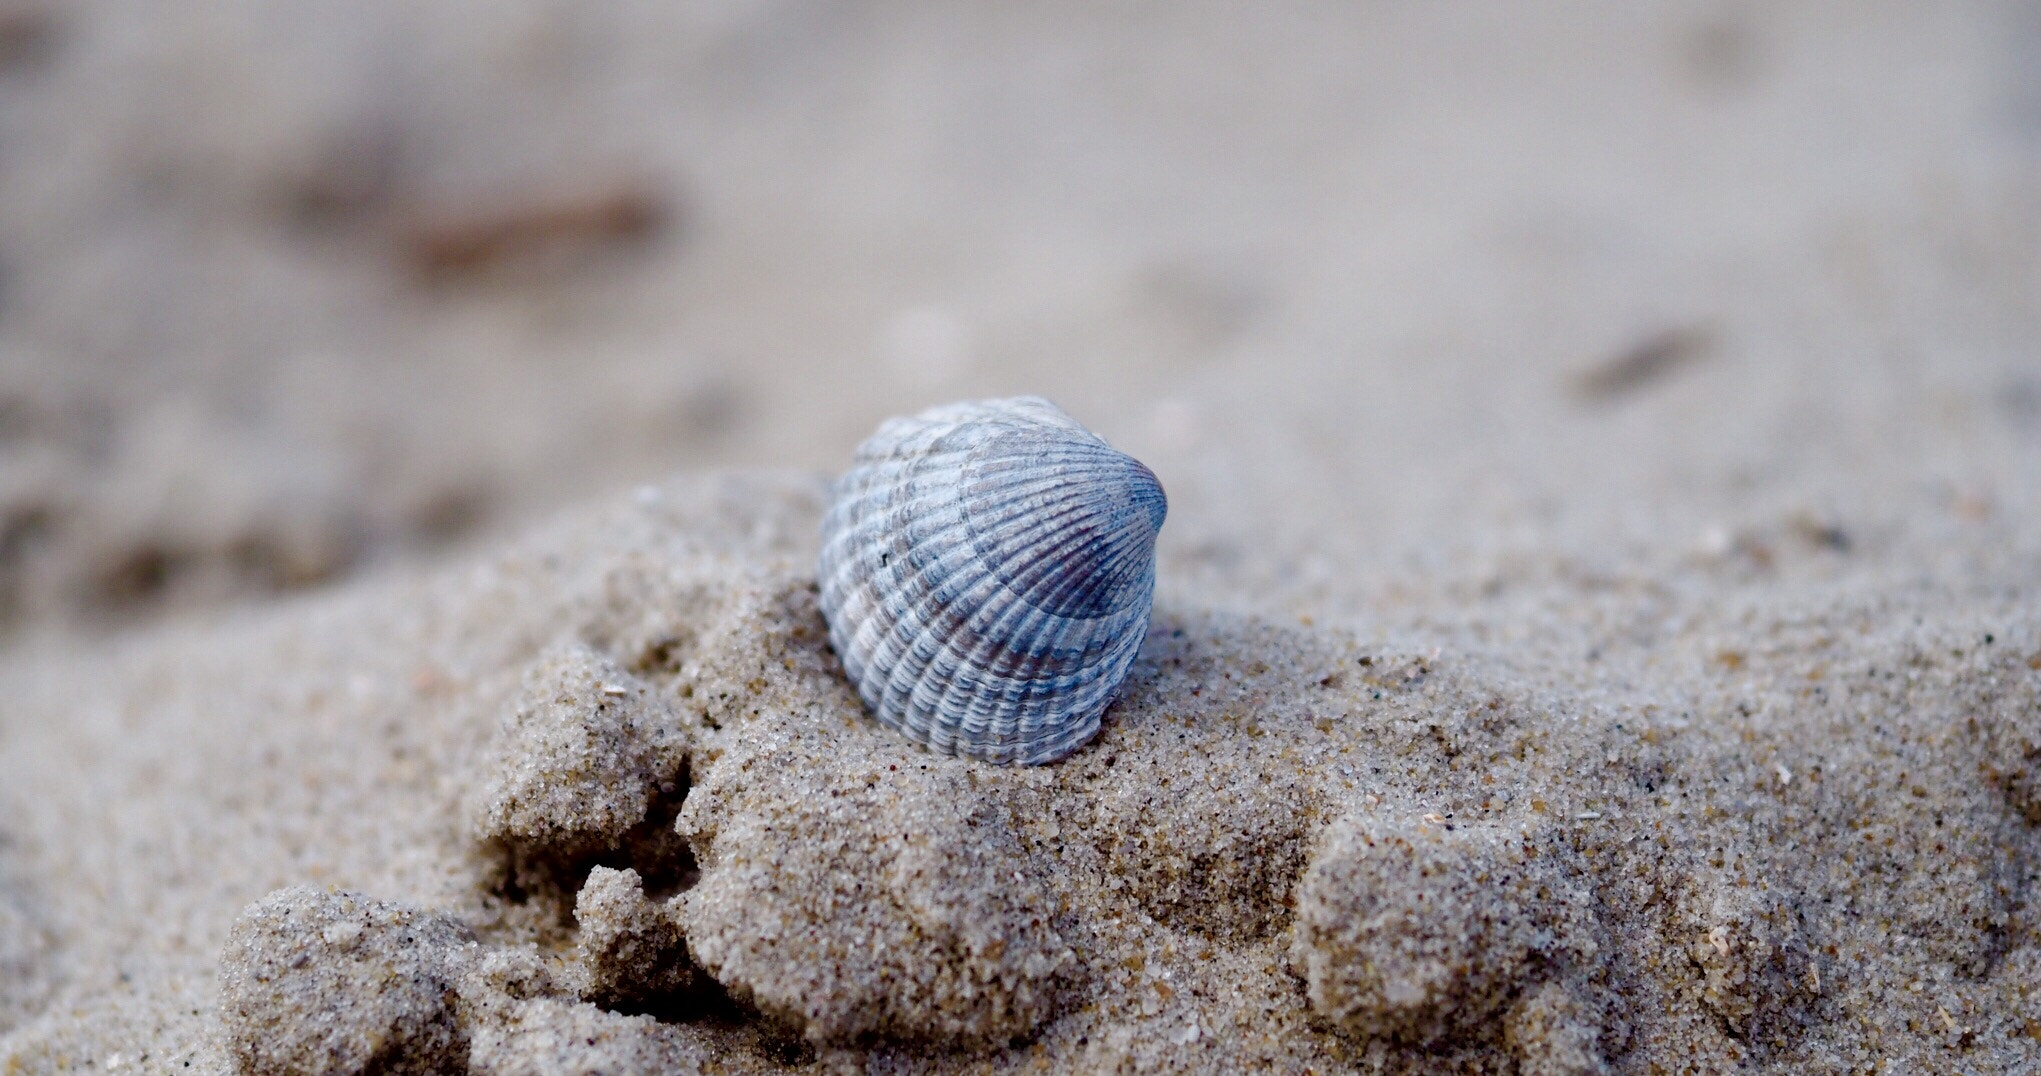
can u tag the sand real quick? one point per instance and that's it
(611, 778)
(1596, 627)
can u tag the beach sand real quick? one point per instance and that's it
(1596, 625)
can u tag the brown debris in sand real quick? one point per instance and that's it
(465, 237)
(1651, 358)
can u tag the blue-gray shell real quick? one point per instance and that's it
(987, 573)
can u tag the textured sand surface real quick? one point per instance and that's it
(617, 762)
(1597, 625)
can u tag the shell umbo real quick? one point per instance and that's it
(987, 573)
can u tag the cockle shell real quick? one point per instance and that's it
(987, 572)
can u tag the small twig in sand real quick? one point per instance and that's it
(28, 35)
(447, 241)
(1646, 361)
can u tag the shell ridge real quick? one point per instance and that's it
(1017, 502)
(1008, 484)
(1043, 557)
(1058, 571)
(891, 657)
(975, 652)
(1086, 517)
(970, 687)
(997, 586)
(977, 707)
(1020, 572)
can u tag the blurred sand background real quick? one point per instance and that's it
(291, 288)
(1576, 330)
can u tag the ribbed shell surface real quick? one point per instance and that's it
(987, 573)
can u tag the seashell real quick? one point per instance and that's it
(987, 573)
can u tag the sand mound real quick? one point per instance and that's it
(316, 982)
(603, 801)
(1420, 928)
